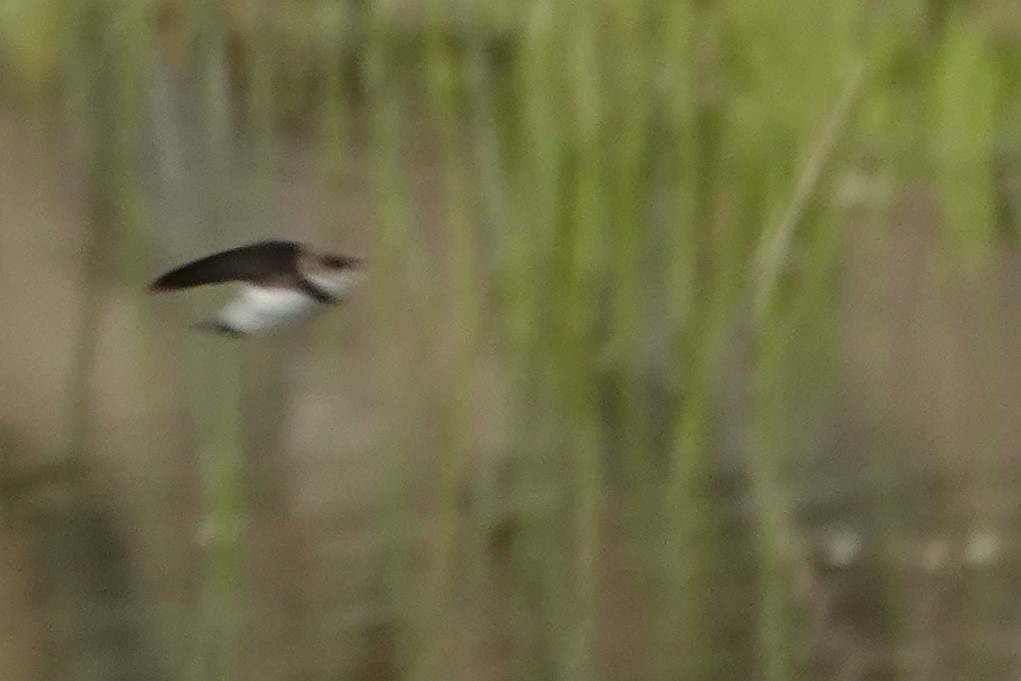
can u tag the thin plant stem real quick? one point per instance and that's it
(218, 643)
(776, 242)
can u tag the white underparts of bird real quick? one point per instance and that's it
(283, 283)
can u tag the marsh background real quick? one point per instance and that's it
(690, 348)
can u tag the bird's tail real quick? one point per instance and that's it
(216, 326)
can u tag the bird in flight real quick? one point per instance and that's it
(283, 283)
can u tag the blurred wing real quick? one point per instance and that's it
(255, 262)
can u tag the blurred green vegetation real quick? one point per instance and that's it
(645, 206)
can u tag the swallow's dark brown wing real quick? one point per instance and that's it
(257, 262)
